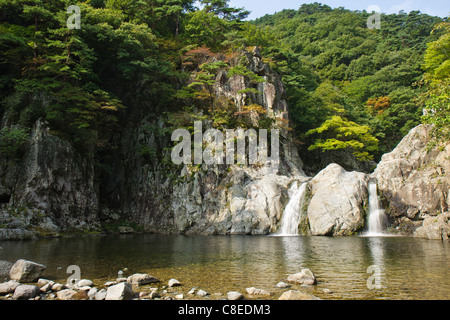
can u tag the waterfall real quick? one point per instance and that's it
(292, 213)
(377, 217)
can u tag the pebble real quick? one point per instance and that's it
(234, 295)
(174, 283)
(282, 285)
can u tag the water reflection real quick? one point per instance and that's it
(410, 268)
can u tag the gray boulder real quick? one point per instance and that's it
(100, 295)
(141, 279)
(305, 276)
(26, 271)
(84, 283)
(174, 283)
(25, 292)
(66, 294)
(337, 201)
(121, 291)
(434, 227)
(8, 287)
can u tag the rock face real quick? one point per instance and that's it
(50, 189)
(414, 180)
(26, 271)
(337, 201)
(214, 199)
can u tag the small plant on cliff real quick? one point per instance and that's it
(12, 141)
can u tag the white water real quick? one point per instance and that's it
(377, 216)
(292, 212)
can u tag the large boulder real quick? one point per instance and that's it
(26, 271)
(121, 291)
(25, 292)
(8, 287)
(337, 201)
(414, 178)
(305, 276)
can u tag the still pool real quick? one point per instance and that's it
(350, 267)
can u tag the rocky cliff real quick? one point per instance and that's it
(53, 188)
(414, 181)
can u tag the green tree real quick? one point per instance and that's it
(338, 133)
(437, 81)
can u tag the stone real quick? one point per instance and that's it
(26, 271)
(92, 293)
(100, 295)
(110, 283)
(297, 295)
(8, 287)
(174, 283)
(121, 291)
(234, 295)
(282, 285)
(192, 291)
(84, 289)
(85, 282)
(337, 198)
(46, 287)
(434, 227)
(25, 292)
(141, 279)
(305, 276)
(154, 294)
(66, 294)
(42, 282)
(179, 296)
(257, 292)
(58, 287)
(202, 293)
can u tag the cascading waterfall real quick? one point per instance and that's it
(292, 213)
(377, 216)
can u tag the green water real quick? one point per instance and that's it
(407, 268)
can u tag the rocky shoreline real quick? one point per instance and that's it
(26, 284)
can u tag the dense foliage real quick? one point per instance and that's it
(367, 79)
(350, 89)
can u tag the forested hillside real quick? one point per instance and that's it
(350, 90)
(361, 85)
